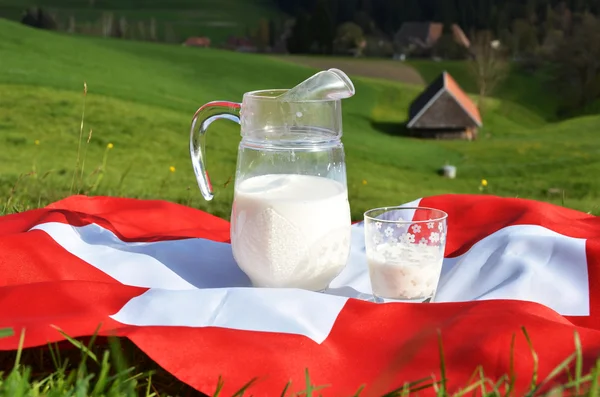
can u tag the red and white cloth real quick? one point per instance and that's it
(163, 275)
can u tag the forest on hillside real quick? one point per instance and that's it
(389, 15)
(560, 38)
(525, 25)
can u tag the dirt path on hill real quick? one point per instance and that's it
(381, 69)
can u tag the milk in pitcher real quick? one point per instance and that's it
(291, 230)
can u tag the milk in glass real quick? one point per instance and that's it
(405, 271)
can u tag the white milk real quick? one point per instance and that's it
(291, 230)
(405, 271)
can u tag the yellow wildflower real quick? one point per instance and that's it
(364, 182)
(172, 169)
(37, 142)
(484, 182)
(110, 146)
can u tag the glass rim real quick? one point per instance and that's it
(444, 214)
(256, 96)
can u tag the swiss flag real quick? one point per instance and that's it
(163, 275)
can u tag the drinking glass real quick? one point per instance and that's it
(405, 250)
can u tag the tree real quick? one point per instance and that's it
(524, 34)
(301, 37)
(323, 27)
(565, 17)
(262, 38)
(153, 35)
(120, 28)
(349, 37)
(552, 32)
(445, 12)
(489, 64)
(39, 18)
(365, 22)
(577, 60)
(274, 31)
(72, 25)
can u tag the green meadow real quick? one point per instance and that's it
(141, 96)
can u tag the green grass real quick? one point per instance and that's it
(141, 97)
(99, 367)
(216, 19)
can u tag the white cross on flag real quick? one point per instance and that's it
(163, 275)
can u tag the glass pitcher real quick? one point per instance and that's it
(290, 221)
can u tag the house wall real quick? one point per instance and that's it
(468, 134)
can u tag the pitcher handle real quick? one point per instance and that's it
(203, 117)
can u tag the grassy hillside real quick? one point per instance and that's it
(380, 68)
(141, 97)
(534, 91)
(175, 19)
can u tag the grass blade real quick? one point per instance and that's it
(534, 376)
(101, 383)
(578, 363)
(594, 389)
(241, 392)
(220, 384)
(77, 344)
(560, 368)
(77, 165)
(470, 388)
(442, 390)
(511, 374)
(410, 387)
(482, 379)
(360, 389)
(285, 389)
(6, 332)
(20, 348)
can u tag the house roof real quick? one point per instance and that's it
(428, 33)
(444, 83)
(460, 36)
(413, 31)
(197, 41)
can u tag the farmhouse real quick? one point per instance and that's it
(444, 111)
(424, 35)
(203, 42)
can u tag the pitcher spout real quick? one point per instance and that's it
(332, 84)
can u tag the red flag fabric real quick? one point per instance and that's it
(163, 275)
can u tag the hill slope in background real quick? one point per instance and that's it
(535, 92)
(141, 97)
(175, 19)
